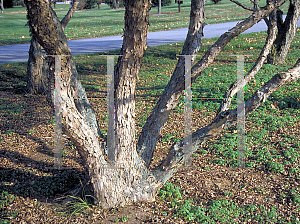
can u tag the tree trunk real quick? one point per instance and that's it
(1, 5)
(36, 79)
(150, 133)
(175, 87)
(126, 178)
(115, 4)
(286, 33)
(38, 67)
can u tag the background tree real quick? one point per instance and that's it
(39, 67)
(286, 29)
(128, 178)
(286, 33)
(1, 6)
(115, 4)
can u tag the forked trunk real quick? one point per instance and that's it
(286, 33)
(38, 66)
(125, 177)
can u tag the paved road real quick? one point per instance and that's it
(19, 52)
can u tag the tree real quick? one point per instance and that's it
(1, 6)
(128, 178)
(286, 29)
(39, 67)
(114, 4)
(286, 33)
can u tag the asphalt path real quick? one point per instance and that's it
(19, 52)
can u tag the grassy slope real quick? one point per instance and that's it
(107, 22)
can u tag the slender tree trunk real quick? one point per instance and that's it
(35, 78)
(115, 4)
(286, 33)
(174, 89)
(1, 5)
(162, 110)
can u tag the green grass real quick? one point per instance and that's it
(224, 210)
(107, 22)
(6, 199)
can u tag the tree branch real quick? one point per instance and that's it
(242, 5)
(69, 15)
(175, 87)
(236, 86)
(151, 129)
(176, 156)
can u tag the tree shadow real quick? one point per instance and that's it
(39, 181)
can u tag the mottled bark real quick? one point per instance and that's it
(170, 96)
(175, 87)
(38, 66)
(235, 87)
(126, 178)
(176, 156)
(286, 33)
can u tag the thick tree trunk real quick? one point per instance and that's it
(286, 33)
(38, 67)
(126, 178)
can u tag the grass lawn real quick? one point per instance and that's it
(215, 192)
(107, 22)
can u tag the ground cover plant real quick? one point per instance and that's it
(214, 191)
(106, 22)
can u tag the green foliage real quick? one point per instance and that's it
(169, 192)
(154, 3)
(122, 219)
(6, 199)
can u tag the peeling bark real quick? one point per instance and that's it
(235, 87)
(176, 156)
(175, 87)
(168, 100)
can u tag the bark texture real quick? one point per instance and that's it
(127, 179)
(176, 156)
(168, 100)
(38, 66)
(286, 33)
(175, 87)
